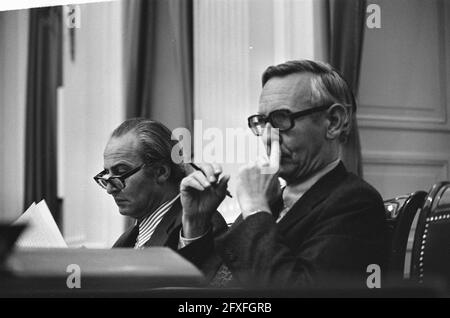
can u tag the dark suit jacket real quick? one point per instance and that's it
(330, 236)
(167, 234)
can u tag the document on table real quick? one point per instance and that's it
(42, 230)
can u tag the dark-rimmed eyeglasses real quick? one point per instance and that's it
(117, 181)
(282, 119)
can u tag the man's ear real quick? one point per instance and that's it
(338, 121)
(162, 173)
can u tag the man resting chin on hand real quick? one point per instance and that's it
(326, 225)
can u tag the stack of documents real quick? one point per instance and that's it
(42, 230)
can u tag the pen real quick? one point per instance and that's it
(198, 168)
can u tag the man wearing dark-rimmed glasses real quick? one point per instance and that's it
(144, 181)
(326, 225)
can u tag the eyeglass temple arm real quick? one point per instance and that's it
(310, 111)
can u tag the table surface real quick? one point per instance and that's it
(42, 272)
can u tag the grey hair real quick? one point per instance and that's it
(328, 86)
(156, 144)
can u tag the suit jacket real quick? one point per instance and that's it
(328, 238)
(167, 233)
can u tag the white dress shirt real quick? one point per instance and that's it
(148, 224)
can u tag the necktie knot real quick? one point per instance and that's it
(276, 207)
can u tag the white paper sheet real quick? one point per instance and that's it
(42, 230)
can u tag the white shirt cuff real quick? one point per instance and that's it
(254, 212)
(183, 242)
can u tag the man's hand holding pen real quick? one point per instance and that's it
(203, 190)
(201, 193)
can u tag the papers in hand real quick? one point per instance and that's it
(42, 230)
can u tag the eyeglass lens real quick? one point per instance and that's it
(280, 120)
(115, 182)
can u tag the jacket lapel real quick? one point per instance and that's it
(128, 239)
(170, 221)
(318, 192)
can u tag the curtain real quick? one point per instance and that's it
(158, 61)
(347, 18)
(44, 75)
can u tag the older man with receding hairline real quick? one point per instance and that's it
(144, 181)
(326, 225)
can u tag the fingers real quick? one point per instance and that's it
(274, 156)
(262, 161)
(217, 169)
(208, 171)
(203, 178)
(211, 171)
(189, 183)
(195, 180)
(221, 187)
(271, 139)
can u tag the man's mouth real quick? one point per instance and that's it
(120, 201)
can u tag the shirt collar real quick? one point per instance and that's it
(165, 206)
(292, 193)
(148, 225)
